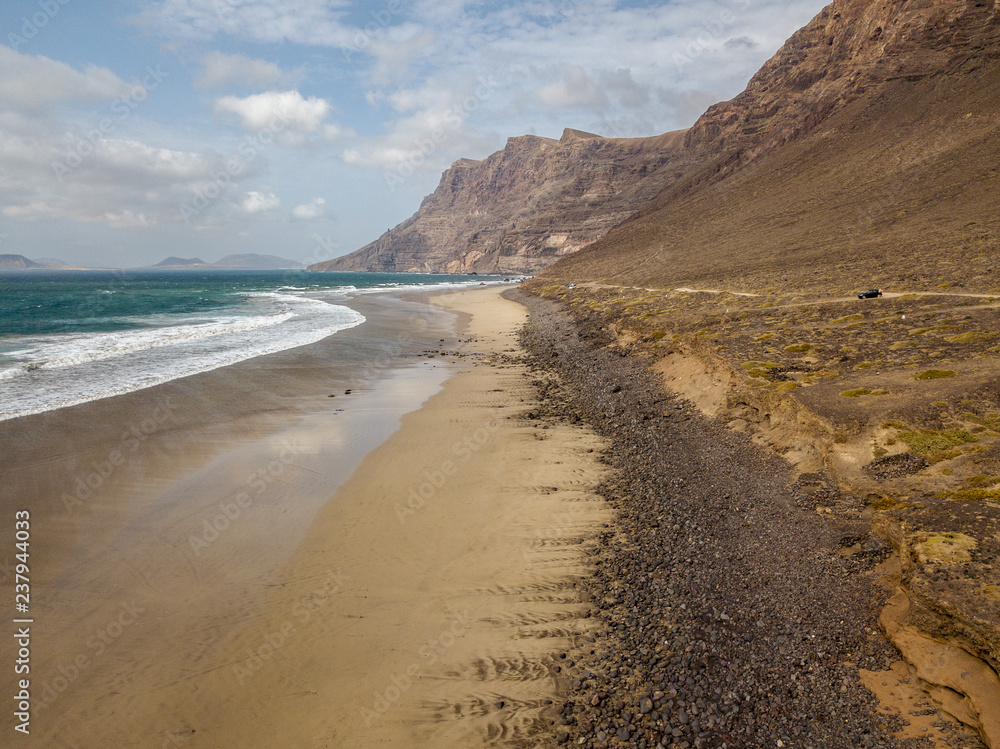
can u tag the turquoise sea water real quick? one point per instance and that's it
(68, 337)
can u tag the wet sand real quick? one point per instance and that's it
(264, 569)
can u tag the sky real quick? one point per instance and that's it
(131, 130)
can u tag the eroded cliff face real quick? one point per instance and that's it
(865, 150)
(849, 49)
(525, 206)
(540, 200)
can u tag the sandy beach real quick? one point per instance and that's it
(394, 567)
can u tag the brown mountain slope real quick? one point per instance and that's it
(866, 151)
(525, 206)
(862, 74)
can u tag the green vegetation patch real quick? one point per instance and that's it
(893, 424)
(990, 421)
(937, 445)
(898, 345)
(798, 348)
(934, 374)
(861, 392)
(849, 318)
(972, 495)
(973, 336)
(883, 504)
(943, 548)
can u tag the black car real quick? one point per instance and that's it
(870, 294)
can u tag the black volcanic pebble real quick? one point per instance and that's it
(727, 619)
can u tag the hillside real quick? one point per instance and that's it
(867, 151)
(16, 262)
(525, 206)
(868, 141)
(180, 262)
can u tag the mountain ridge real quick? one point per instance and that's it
(886, 170)
(523, 207)
(540, 200)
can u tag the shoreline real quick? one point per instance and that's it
(216, 593)
(734, 611)
(95, 460)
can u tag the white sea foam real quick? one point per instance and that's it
(45, 372)
(48, 372)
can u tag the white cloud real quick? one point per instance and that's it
(572, 89)
(32, 211)
(219, 69)
(260, 202)
(316, 22)
(32, 83)
(624, 88)
(61, 163)
(622, 69)
(396, 50)
(315, 208)
(427, 140)
(126, 219)
(434, 126)
(617, 69)
(286, 113)
(336, 133)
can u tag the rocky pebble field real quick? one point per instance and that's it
(732, 613)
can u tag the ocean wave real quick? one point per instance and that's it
(71, 350)
(72, 369)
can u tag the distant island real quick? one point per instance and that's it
(20, 262)
(180, 262)
(246, 261)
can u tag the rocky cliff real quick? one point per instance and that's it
(865, 150)
(862, 66)
(525, 206)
